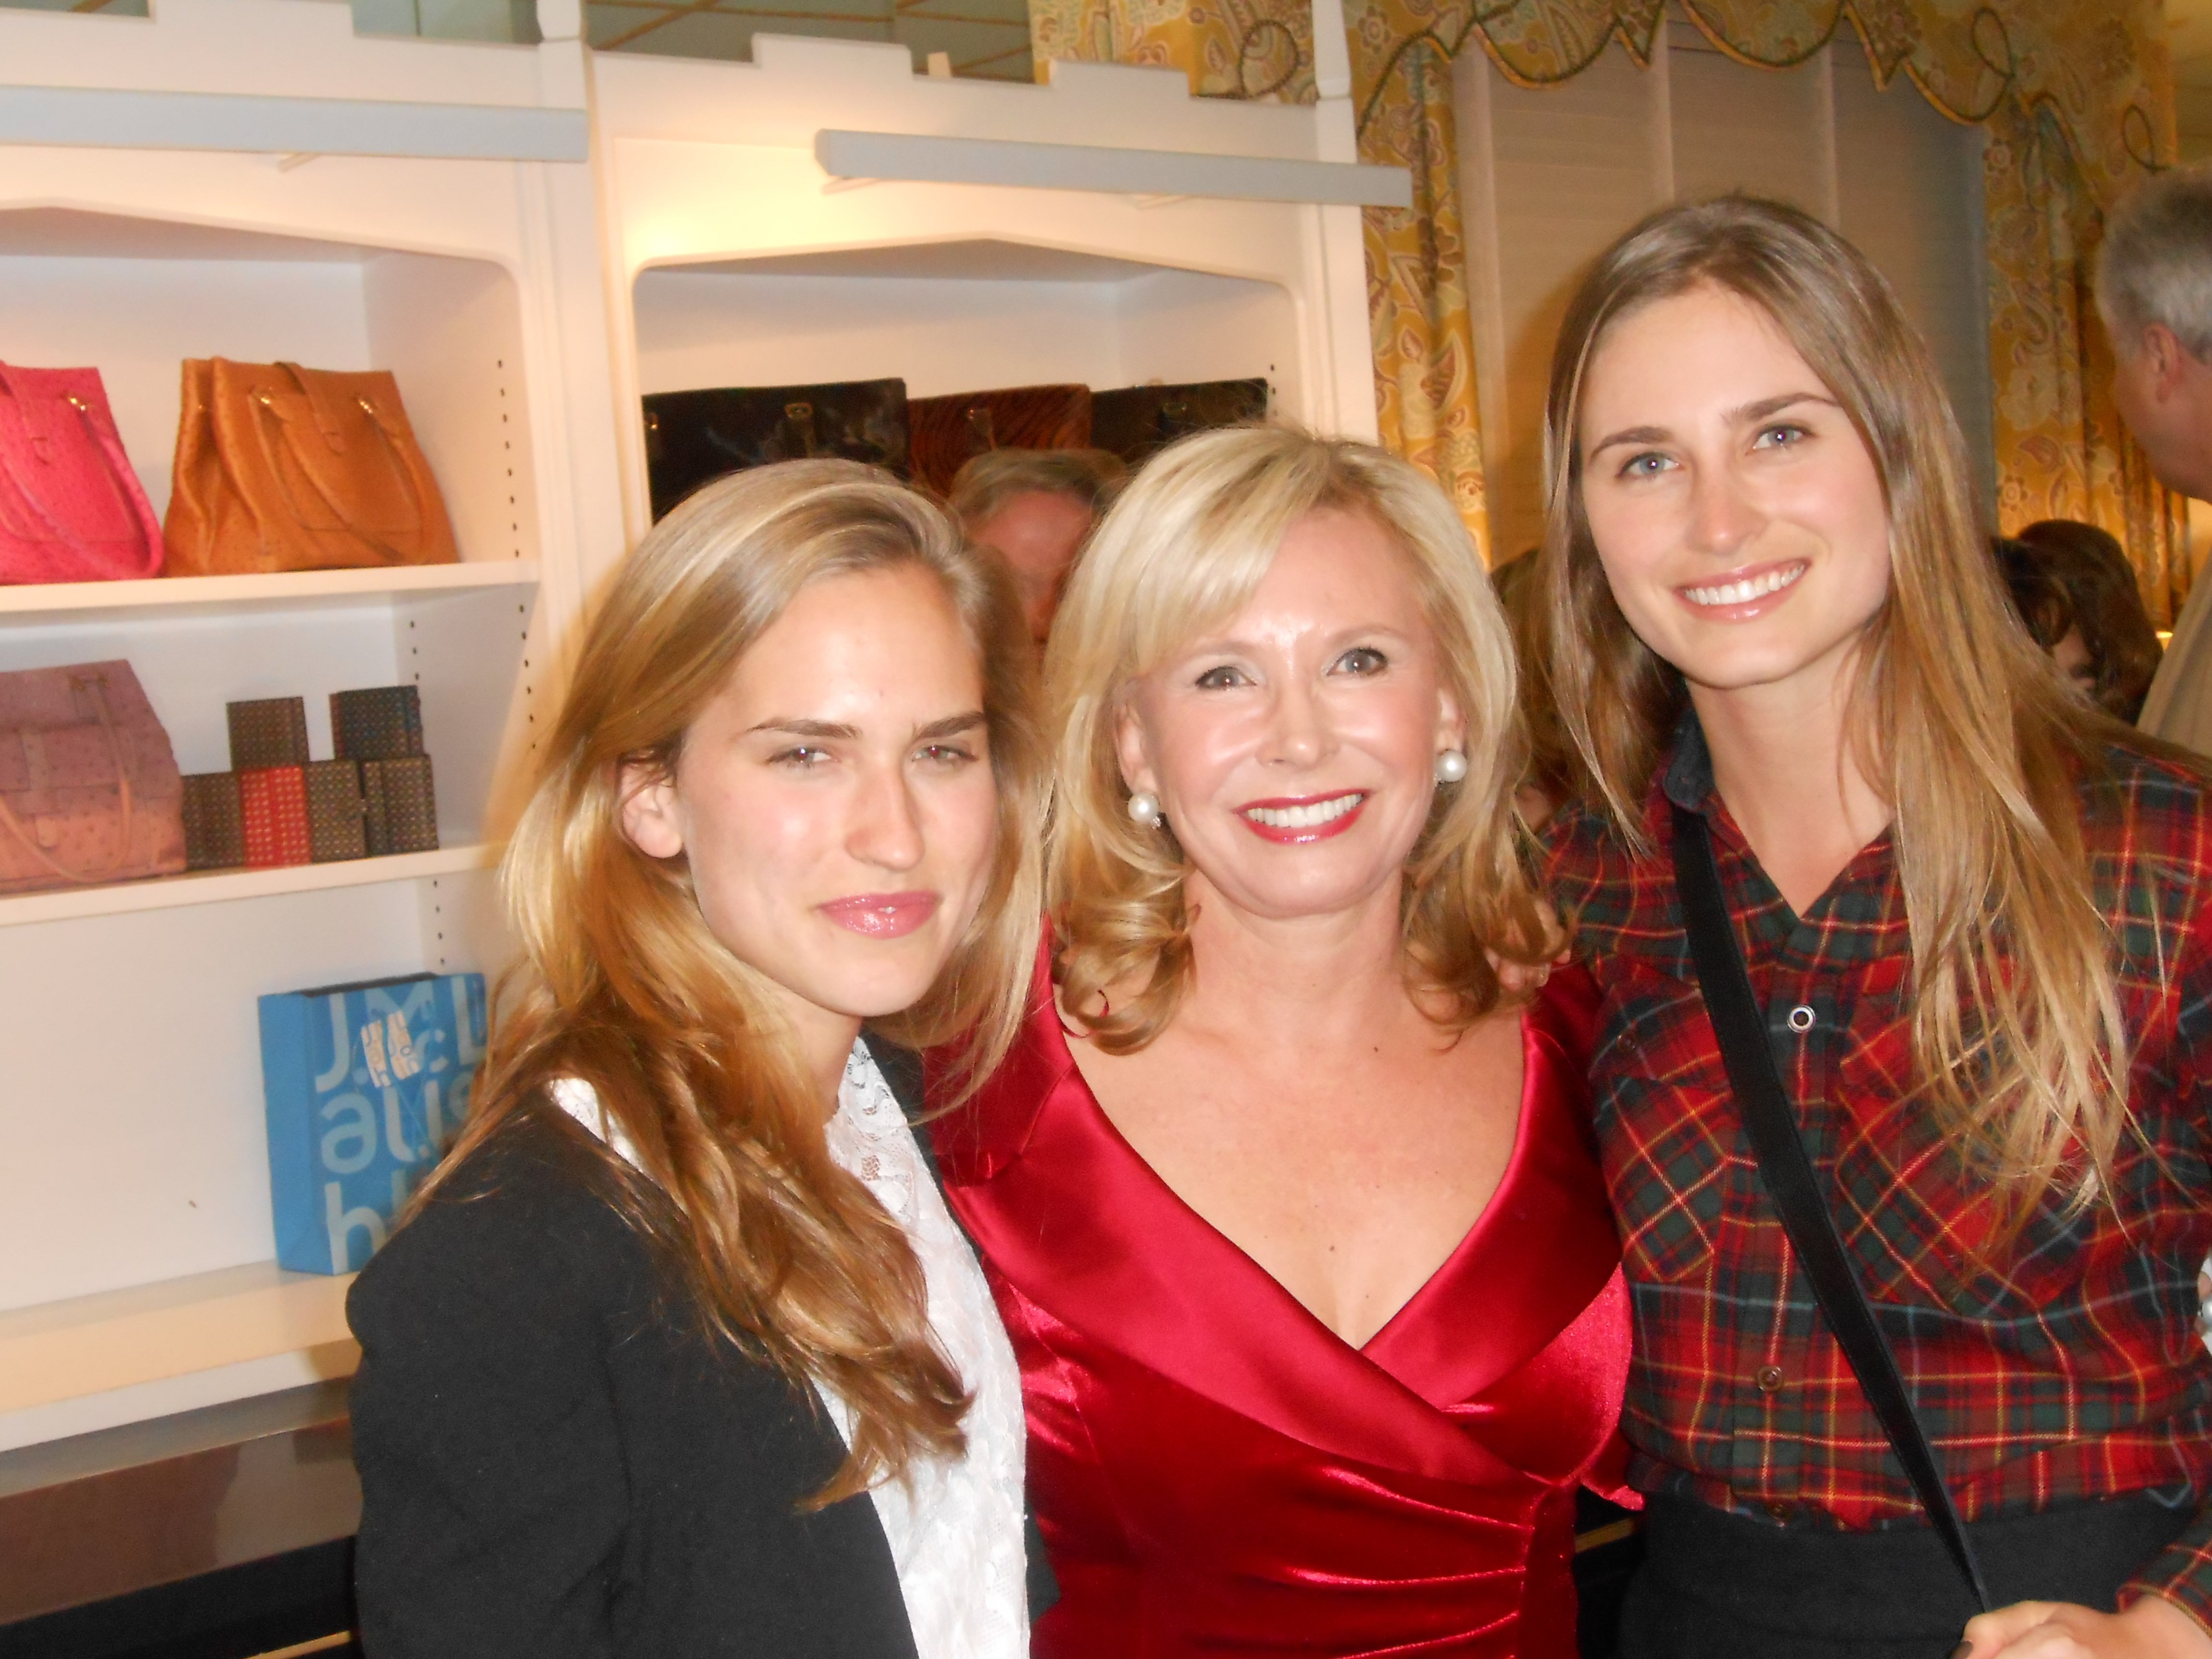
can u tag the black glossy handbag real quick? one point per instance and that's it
(1138, 420)
(692, 438)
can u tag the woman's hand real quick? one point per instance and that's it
(1518, 978)
(2152, 1629)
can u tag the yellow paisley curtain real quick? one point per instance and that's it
(2076, 95)
(1229, 48)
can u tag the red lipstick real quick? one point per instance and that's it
(1303, 818)
(882, 915)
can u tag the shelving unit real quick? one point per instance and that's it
(530, 239)
(742, 261)
(268, 187)
(102, 1345)
(237, 595)
(228, 886)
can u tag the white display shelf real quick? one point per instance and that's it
(92, 1345)
(227, 886)
(288, 590)
(523, 306)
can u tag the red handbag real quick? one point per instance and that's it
(71, 508)
(89, 790)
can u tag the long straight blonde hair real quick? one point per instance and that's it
(622, 984)
(1182, 551)
(1956, 717)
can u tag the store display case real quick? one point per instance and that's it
(530, 239)
(221, 215)
(1049, 244)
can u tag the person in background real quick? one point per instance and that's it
(1287, 1191)
(2153, 292)
(1035, 508)
(2073, 586)
(1849, 835)
(2044, 608)
(680, 1353)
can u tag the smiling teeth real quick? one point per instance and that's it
(1304, 817)
(1743, 593)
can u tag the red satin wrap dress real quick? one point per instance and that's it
(1215, 1471)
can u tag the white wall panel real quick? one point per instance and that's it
(1552, 175)
(1741, 128)
(1910, 194)
(1569, 169)
(136, 321)
(131, 1106)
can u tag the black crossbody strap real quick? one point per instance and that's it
(1788, 1174)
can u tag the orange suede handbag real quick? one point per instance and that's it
(285, 468)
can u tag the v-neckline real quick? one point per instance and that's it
(1101, 1249)
(1454, 1263)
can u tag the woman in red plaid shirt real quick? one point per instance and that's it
(1973, 912)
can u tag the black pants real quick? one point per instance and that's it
(1716, 1586)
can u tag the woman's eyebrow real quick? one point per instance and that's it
(1632, 435)
(795, 727)
(1229, 647)
(1748, 413)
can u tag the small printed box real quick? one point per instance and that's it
(273, 802)
(215, 822)
(402, 806)
(338, 820)
(270, 732)
(365, 1086)
(384, 722)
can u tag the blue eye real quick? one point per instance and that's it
(1647, 466)
(1786, 434)
(1363, 660)
(1220, 679)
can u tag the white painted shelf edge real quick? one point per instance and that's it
(224, 886)
(289, 587)
(89, 1345)
(867, 157)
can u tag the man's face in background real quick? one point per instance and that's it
(1038, 533)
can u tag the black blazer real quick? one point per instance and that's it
(555, 1461)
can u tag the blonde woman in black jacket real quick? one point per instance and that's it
(682, 1354)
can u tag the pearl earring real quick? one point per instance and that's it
(1144, 809)
(1451, 766)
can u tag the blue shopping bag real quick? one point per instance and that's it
(366, 1085)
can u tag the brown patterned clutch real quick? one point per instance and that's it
(945, 433)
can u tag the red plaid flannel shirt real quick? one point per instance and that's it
(2069, 1368)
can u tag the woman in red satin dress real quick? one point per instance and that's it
(1289, 1208)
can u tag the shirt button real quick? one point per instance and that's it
(1780, 1511)
(1802, 1018)
(1768, 1379)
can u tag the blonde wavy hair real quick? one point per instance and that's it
(1183, 550)
(1957, 718)
(622, 984)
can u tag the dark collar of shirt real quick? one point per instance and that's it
(1859, 917)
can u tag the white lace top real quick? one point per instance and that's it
(955, 1528)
